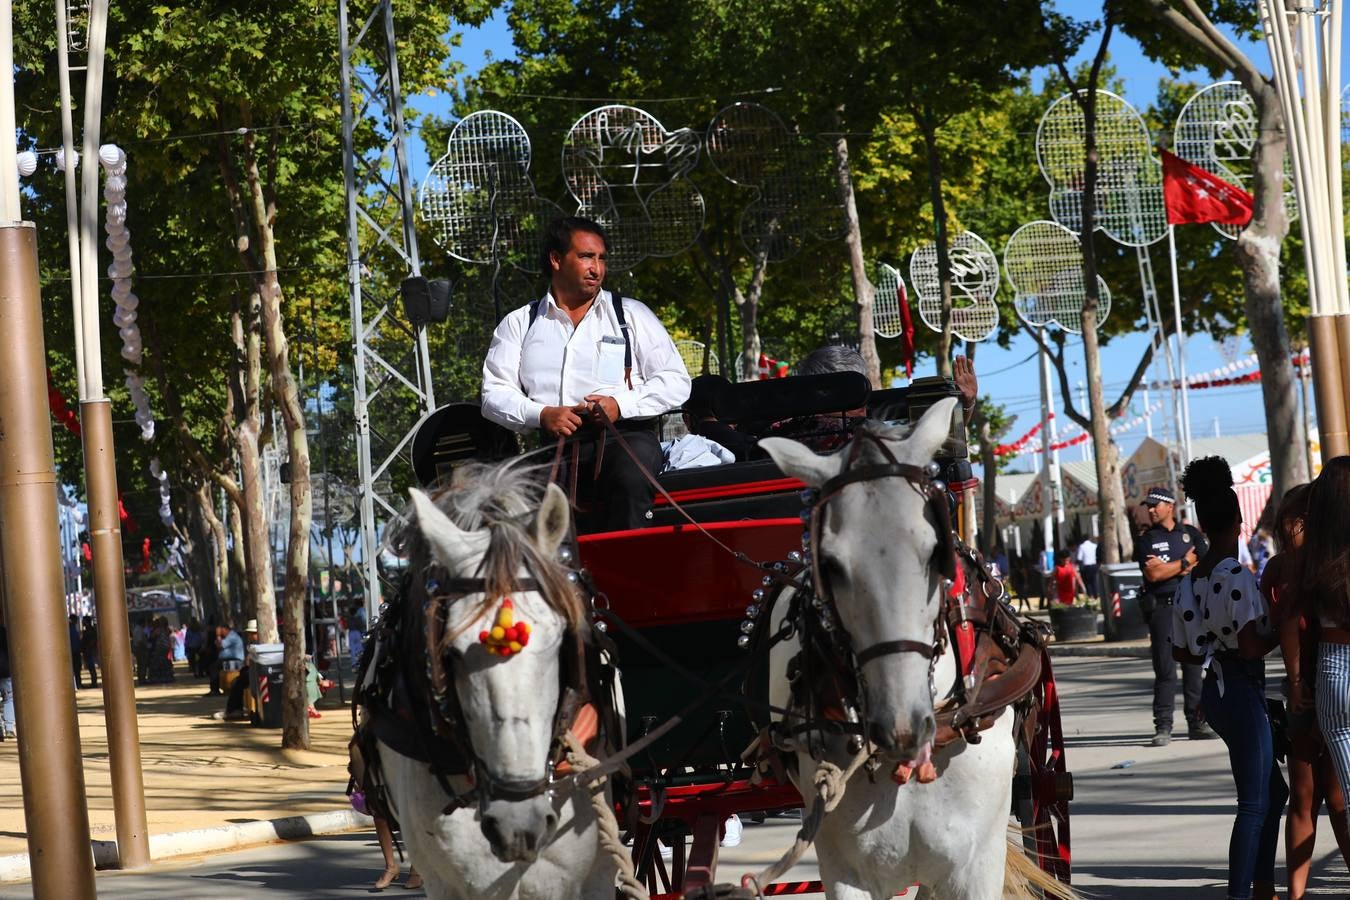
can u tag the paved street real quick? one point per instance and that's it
(1148, 831)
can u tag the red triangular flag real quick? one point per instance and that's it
(1193, 195)
(907, 331)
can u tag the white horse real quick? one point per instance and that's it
(876, 549)
(512, 837)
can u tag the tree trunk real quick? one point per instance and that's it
(989, 514)
(240, 602)
(944, 355)
(1110, 491)
(220, 554)
(747, 302)
(260, 594)
(199, 548)
(1258, 252)
(862, 288)
(286, 394)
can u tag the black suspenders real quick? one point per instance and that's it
(623, 330)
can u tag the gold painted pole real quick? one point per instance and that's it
(1342, 385)
(1328, 388)
(49, 738)
(114, 637)
(100, 472)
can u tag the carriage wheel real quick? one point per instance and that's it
(1043, 786)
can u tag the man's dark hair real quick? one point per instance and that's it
(558, 237)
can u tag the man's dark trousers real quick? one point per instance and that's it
(621, 496)
(1165, 672)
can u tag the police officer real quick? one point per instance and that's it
(1166, 551)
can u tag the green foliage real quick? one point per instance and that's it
(183, 80)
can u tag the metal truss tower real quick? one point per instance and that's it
(390, 358)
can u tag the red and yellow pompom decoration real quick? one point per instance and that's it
(507, 637)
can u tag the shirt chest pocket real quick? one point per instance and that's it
(609, 362)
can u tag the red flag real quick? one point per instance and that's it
(1193, 195)
(907, 330)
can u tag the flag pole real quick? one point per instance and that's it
(1185, 424)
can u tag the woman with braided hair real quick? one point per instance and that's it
(1222, 622)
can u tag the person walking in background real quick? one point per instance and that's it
(1166, 551)
(161, 652)
(1312, 774)
(89, 649)
(6, 689)
(73, 629)
(356, 632)
(229, 656)
(1324, 593)
(1086, 558)
(192, 647)
(1068, 583)
(1222, 623)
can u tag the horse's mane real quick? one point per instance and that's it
(502, 499)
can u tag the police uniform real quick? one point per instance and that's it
(1168, 545)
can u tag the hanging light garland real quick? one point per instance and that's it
(114, 162)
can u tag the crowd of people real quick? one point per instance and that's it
(1218, 605)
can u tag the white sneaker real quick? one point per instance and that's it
(731, 836)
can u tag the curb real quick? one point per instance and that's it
(1101, 648)
(15, 867)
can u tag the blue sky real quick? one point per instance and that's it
(1007, 374)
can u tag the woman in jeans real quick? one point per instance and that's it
(1223, 623)
(1325, 594)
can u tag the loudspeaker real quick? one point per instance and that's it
(426, 301)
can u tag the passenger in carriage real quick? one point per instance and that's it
(580, 347)
(700, 418)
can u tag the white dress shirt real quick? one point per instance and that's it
(553, 363)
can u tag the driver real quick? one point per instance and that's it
(581, 346)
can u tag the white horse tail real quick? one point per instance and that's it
(1024, 880)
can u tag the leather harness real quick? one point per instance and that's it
(1003, 655)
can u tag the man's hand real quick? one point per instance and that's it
(1153, 569)
(608, 404)
(559, 421)
(1191, 558)
(963, 371)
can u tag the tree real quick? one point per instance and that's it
(1110, 491)
(1194, 38)
(236, 108)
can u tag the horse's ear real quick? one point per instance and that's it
(933, 428)
(550, 526)
(800, 461)
(449, 542)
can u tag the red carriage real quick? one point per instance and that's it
(676, 593)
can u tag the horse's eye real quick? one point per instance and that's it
(831, 569)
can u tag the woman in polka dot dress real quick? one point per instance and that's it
(1223, 623)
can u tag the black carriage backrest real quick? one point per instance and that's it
(798, 395)
(455, 434)
(908, 404)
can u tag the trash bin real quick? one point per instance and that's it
(1120, 585)
(266, 672)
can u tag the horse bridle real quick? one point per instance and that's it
(448, 715)
(924, 480)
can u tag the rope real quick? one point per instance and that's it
(607, 825)
(829, 784)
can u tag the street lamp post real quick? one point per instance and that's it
(1305, 47)
(105, 534)
(55, 815)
